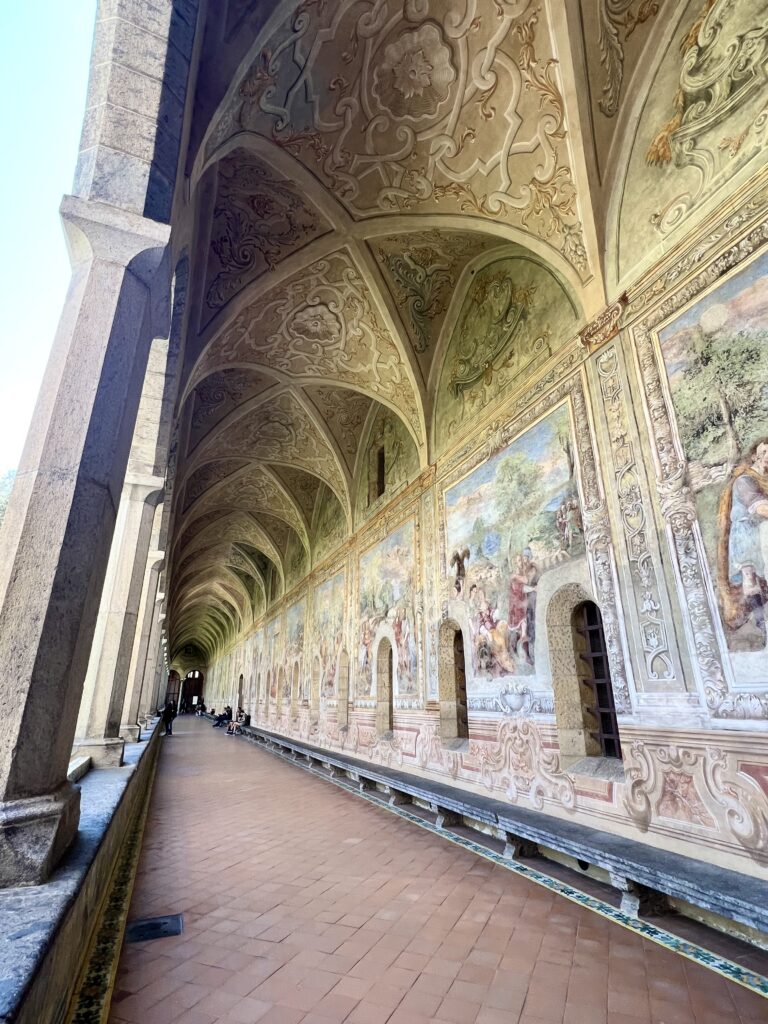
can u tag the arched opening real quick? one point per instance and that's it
(342, 708)
(452, 683)
(384, 687)
(240, 683)
(295, 688)
(601, 727)
(317, 671)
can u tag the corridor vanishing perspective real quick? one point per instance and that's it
(408, 418)
(319, 908)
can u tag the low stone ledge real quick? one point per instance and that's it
(45, 930)
(645, 869)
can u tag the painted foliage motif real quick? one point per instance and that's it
(510, 521)
(386, 596)
(716, 357)
(329, 629)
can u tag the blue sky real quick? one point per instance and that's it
(45, 51)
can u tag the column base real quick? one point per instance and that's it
(130, 733)
(106, 753)
(34, 835)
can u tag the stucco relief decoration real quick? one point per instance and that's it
(321, 323)
(712, 469)
(719, 113)
(259, 219)
(381, 101)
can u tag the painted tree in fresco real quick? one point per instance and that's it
(720, 394)
(520, 496)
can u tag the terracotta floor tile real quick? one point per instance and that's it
(321, 908)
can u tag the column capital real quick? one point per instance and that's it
(100, 231)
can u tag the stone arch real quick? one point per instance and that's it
(384, 674)
(342, 690)
(314, 695)
(453, 649)
(573, 736)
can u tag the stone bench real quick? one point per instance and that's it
(643, 874)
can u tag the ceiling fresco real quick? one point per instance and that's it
(396, 214)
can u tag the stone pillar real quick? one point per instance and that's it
(98, 725)
(55, 541)
(134, 715)
(153, 669)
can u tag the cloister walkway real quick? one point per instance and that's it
(303, 903)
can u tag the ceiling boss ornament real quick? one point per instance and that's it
(383, 101)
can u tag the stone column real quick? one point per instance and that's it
(55, 541)
(133, 716)
(98, 726)
(150, 684)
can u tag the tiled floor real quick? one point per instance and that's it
(304, 903)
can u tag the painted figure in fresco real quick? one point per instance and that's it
(741, 562)
(460, 559)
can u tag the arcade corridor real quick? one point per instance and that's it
(302, 903)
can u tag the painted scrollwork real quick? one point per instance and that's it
(321, 323)
(613, 16)
(724, 61)
(698, 786)
(259, 218)
(521, 764)
(653, 630)
(379, 100)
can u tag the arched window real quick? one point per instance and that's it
(598, 709)
(384, 687)
(342, 709)
(452, 683)
(240, 691)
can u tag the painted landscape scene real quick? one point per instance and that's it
(386, 595)
(716, 358)
(514, 518)
(329, 629)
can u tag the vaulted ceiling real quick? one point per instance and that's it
(363, 163)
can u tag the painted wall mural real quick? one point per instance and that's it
(386, 581)
(328, 629)
(716, 356)
(515, 315)
(295, 619)
(510, 521)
